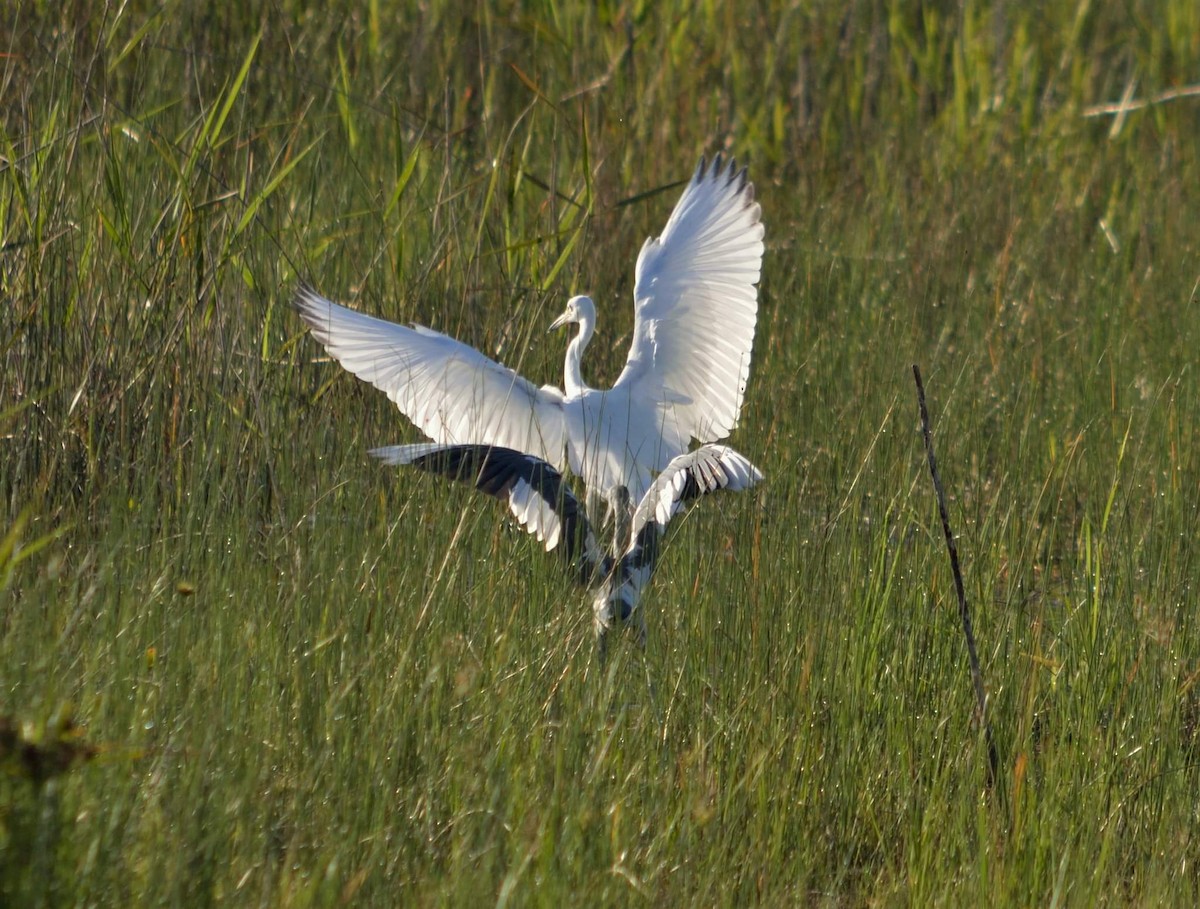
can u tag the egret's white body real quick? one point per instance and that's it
(696, 306)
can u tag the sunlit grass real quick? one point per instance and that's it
(311, 680)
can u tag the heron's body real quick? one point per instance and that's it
(695, 307)
(544, 505)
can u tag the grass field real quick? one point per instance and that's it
(249, 666)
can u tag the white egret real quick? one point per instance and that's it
(695, 309)
(545, 506)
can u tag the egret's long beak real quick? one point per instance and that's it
(562, 320)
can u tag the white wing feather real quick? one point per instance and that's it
(453, 393)
(710, 467)
(696, 305)
(535, 514)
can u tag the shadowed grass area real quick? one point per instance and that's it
(309, 680)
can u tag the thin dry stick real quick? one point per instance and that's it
(1129, 102)
(963, 612)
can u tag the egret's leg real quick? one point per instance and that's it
(619, 516)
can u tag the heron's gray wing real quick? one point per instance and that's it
(695, 305)
(707, 469)
(535, 492)
(452, 392)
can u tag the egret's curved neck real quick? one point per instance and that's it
(573, 379)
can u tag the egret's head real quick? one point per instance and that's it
(579, 309)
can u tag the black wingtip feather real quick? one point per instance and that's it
(305, 296)
(731, 173)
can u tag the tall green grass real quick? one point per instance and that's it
(312, 681)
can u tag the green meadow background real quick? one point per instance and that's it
(242, 664)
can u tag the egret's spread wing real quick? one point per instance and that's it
(452, 392)
(536, 494)
(696, 304)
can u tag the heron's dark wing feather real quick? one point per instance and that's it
(535, 493)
